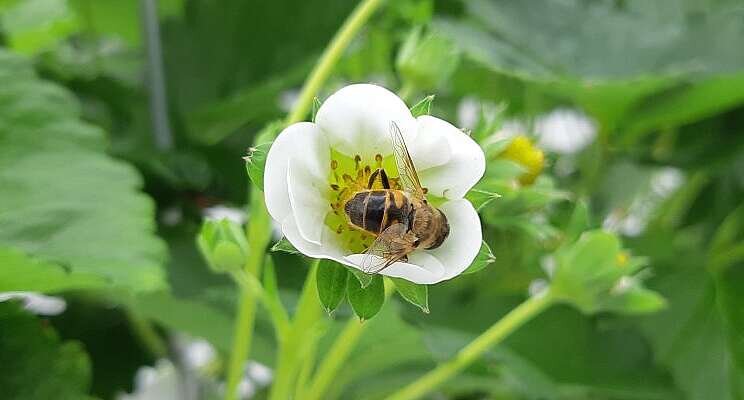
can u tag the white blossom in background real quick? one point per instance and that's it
(468, 112)
(565, 131)
(632, 220)
(161, 382)
(259, 373)
(37, 303)
(220, 212)
(356, 121)
(287, 99)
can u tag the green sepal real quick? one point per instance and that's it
(331, 282)
(366, 302)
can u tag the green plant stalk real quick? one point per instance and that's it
(333, 361)
(259, 233)
(339, 353)
(494, 335)
(295, 344)
(330, 57)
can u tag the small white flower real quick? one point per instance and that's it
(37, 303)
(355, 121)
(565, 131)
(219, 212)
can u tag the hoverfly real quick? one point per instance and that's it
(401, 220)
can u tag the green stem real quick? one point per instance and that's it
(147, 335)
(259, 231)
(295, 344)
(494, 335)
(335, 358)
(330, 57)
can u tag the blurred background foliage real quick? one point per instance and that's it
(94, 210)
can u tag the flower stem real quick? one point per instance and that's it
(298, 340)
(259, 231)
(335, 358)
(494, 335)
(330, 57)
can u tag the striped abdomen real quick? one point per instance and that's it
(375, 210)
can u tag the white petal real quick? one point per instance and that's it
(307, 180)
(421, 268)
(429, 148)
(463, 243)
(463, 169)
(294, 141)
(356, 119)
(328, 249)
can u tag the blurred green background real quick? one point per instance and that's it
(637, 107)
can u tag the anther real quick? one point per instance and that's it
(340, 229)
(367, 169)
(347, 179)
(378, 160)
(334, 164)
(334, 187)
(357, 160)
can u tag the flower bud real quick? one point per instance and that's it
(595, 274)
(223, 245)
(427, 60)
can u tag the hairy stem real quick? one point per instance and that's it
(330, 57)
(299, 339)
(494, 335)
(335, 358)
(259, 233)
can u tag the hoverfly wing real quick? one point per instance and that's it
(390, 246)
(406, 170)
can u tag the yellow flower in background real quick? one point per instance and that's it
(522, 151)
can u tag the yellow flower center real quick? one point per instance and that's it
(523, 152)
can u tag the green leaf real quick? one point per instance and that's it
(35, 364)
(418, 295)
(33, 26)
(120, 19)
(423, 107)
(366, 302)
(71, 203)
(331, 281)
(285, 246)
(699, 336)
(685, 104)
(19, 272)
(255, 162)
(482, 260)
(364, 279)
(481, 198)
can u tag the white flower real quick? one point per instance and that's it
(565, 131)
(37, 303)
(355, 121)
(219, 212)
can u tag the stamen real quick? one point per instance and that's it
(348, 179)
(334, 164)
(357, 160)
(340, 229)
(378, 160)
(334, 187)
(367, 169)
